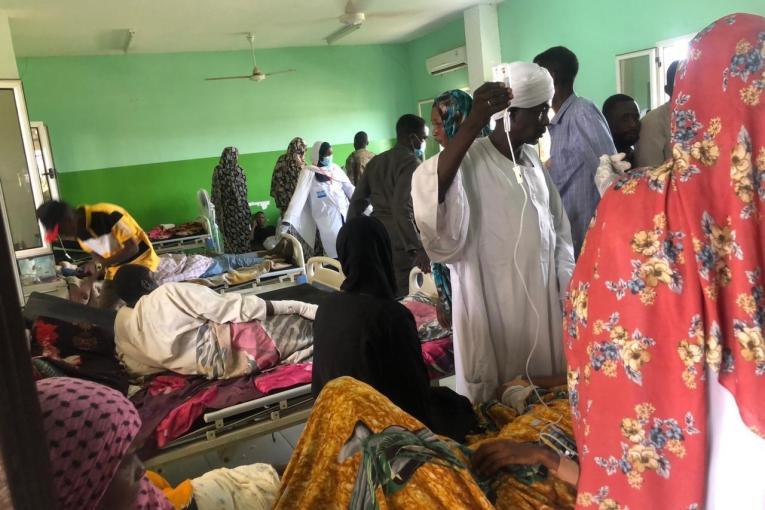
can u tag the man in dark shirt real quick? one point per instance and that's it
(261, 231)
(386, 185)
(623, 117)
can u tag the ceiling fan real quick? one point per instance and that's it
(257, 74)
(355, 16)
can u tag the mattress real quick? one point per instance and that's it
(171, 405)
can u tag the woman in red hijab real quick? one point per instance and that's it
(665, 311)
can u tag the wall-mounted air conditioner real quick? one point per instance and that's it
(447, 62)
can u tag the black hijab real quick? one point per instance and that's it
(364, 250)
(323, 150)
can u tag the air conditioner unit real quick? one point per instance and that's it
(447, 62)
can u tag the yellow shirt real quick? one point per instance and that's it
(104, 229)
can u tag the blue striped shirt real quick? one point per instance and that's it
(580, 135)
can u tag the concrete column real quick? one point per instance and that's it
(8, 68)
(482, 42)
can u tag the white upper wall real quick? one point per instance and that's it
(8, 68)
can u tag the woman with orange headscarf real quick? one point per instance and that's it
(665, 311)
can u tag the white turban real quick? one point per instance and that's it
(532, 85)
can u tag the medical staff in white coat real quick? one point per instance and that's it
(488, 209)
(321, 200)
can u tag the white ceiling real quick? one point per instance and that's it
(99, 27)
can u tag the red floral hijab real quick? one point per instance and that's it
(670, 287)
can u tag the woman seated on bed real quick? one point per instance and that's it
(90, 430)
(363, 332)
(358, 448)
(192, 330)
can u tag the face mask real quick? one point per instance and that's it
(325, 161)
(419, 151)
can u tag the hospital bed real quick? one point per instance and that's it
(421, 282)
(180, 244)
(325, 271)
(258, 414)
(268, 414)
(275, 279)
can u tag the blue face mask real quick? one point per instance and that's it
(325, 161)
(419, 151)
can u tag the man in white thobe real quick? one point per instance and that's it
(504, 234)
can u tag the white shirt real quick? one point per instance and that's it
(474, 231)
(653, 148)
(180, 327)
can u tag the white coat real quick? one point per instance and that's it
(322, 205)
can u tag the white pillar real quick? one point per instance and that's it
(482, 42)
(8, 68)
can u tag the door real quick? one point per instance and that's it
(46, 169)
(636, 77)
(18, 173)
(669, 51)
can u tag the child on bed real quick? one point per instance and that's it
(192, 330)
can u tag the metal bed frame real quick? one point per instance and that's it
(274, 280)
(245, 421)
(181, 243)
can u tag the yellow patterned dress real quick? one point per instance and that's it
(356, 439)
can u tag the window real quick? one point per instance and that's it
(636, 77)
(642, 74)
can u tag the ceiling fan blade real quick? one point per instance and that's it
(230, 78)
(281, 72)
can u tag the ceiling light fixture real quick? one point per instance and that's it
(344, 31)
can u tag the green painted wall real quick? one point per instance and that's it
(444, 38)
(426, 87)
(114, 111)
(166, 192)
(598, 30)
(145, 131)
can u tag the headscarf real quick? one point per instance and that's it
(286, 171)
(318, 151)
(454, 106)
(229, 159)
(89, 429)
(365, 253)
(296, 152)
(668, 295)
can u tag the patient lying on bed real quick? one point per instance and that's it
(371, 450)
(180, 267)
(192, 330)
